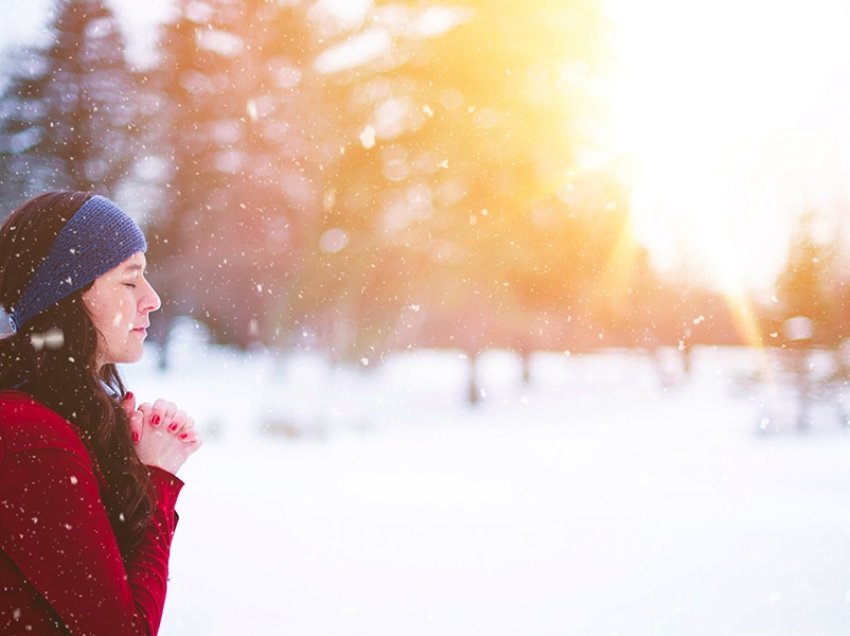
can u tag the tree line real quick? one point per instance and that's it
(415, 176)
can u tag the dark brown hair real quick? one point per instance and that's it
(61, 371)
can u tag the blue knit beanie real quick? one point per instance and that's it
(99, 237)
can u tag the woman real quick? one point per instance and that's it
(87, 479)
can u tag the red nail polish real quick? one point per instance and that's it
(183, 435)
(128, 396)
(172, 426)
(155, 420)
(135, 437)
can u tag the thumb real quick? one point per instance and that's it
(136, 426)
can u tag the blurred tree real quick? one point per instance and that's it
(469, 186)
(68, 118)
(237, 104)
(443, 189)
(809, 285)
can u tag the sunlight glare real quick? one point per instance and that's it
(731, 122)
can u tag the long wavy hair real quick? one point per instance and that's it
(53, 358)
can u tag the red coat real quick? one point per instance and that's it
(60, 568)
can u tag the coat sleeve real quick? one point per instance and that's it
(53, 525)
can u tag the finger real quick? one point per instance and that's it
(163, 412)
(145, 408)
(189, 437)
(129, 403)
(137, 425)
(179, 422)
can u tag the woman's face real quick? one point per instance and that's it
(119, 303)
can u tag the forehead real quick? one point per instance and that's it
(137, 262)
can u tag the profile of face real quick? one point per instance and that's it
(119, 304)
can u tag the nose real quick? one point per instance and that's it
(150, 300)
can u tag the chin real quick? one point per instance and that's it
(129, 356)
(134, 357)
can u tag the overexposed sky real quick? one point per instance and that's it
(24, 18)
(733, 114)
(140, 18)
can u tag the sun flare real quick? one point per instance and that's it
(726, 115)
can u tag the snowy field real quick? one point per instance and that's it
(596, 500)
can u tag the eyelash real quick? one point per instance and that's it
(133, 285)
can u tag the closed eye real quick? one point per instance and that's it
(133, 285)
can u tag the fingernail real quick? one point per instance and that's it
(135, 437)
(128, 396)
(172, 426)
(183, 435)
(155, 420)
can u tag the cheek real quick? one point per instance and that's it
(122, 313)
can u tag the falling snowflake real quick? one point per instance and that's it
(367, 137)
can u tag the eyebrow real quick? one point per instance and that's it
(132, 268)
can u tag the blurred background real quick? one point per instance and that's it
(525, 318)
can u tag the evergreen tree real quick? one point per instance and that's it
(238, 132)
(462, 189)
(67, 115)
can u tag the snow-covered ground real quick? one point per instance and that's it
(373, 501)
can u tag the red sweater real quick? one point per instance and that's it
(60, 568)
